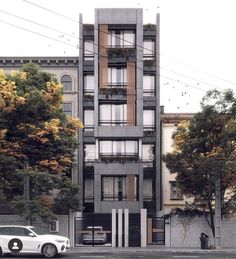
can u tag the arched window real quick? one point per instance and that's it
(66, 81)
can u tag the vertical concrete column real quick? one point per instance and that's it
(143, 227)
(72, 216)
(126, 228)
(158, 121)
(120, 227)
(113, 227)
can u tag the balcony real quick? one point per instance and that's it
(113, 92)
(112, 122)
(149, 65)
(121, 55)
(88, 99)
(149, 30)
(149, 134)
(88, 30)
(118, 158)
(118, 197)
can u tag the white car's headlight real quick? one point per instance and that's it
(60, 241)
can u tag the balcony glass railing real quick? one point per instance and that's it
(113, 122)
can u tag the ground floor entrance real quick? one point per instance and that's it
(119, 229)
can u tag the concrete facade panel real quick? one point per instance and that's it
(118, 16)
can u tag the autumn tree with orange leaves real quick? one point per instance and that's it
(38, 141)
(204, 149)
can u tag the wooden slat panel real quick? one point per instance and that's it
(103, 58)
(149, 229)
(130, 187)
(131, 111)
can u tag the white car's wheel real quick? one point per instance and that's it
(49, 250)
(0, 251)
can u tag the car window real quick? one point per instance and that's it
(21, 231)
(14, 231)
(5, 230)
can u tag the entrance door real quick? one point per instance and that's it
(134, 230)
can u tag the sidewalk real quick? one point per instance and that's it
(149, 249)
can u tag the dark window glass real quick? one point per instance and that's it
(66, 81)
(67, 108)
(175, 193)
(120, 188)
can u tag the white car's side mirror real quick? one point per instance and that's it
(31, 234)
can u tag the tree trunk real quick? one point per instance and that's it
(211, 223)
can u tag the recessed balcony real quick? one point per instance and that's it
(113, 92)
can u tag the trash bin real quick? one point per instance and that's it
(204, 241)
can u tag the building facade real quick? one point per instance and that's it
(171, 195)
(113, 87)
(119, 153)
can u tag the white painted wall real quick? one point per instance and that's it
(185, 232)
(167, 146)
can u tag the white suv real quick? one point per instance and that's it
(25, 239)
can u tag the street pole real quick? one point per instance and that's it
(218, 211)
(27, 196)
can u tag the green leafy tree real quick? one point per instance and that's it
(205, 149)
(37, 142)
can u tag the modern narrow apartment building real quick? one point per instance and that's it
(119, 151)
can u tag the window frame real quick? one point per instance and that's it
(119, 188)
(67, 82)
(111, 113)
(177, 195)
(67, 111)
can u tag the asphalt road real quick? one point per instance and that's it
(135, 255)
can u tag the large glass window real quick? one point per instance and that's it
(148, 155)
(121, 147)
(147, 190)
(148, 119)
(113, 114)
(148, 85)
(89, 84)
(88, 119)
(117, 76)
(66, 81)
(88, 190)
(121, 38)
(175, 192)
(120, 188)
(148, 49)
(89, 154)
(88, 50)
(67, 108)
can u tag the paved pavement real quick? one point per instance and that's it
(149, 249)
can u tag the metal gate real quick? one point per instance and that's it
(155, 231)
(134, 230)
(93, 230)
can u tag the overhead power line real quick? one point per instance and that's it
(38, 33)
(74, 20)
(71, 45)
(64, 33)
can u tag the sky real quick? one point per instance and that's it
(197, 40)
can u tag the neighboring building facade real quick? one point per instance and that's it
(171, 195)
(113, 87)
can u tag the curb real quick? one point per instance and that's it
(151, 250)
